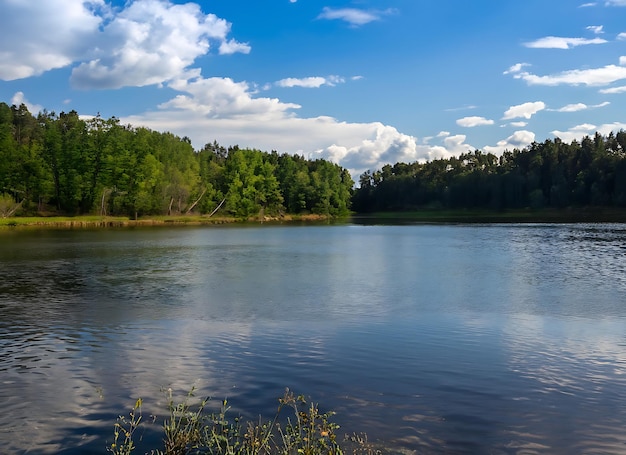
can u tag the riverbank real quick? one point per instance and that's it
(568, 215)
(78, 222)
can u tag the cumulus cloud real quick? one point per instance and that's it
(518, 124)
(579, 131)
(556, 42)
(310, 82)
(223, 98)
(19, 98)
(46, 35)
(150, 42)
(616, 3)
(621, 36)
(233, 47)
(518, 140)
(470, 122)
(230, 112)
(383, 144)
(525, 110)
(576, 132)
(622, 60)
(591, 76)
(353, 16)
(146, 42)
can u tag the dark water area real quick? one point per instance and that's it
(432, 339)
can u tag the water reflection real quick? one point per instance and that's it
(436, 339)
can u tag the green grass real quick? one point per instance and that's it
(108, 221)
(156, 220)
(33, 220)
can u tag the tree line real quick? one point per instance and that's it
(62, 163)
(551, 174)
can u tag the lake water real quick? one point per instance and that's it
(500, 339)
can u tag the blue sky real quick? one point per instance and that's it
(360, 82)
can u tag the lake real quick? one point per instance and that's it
(432, 339)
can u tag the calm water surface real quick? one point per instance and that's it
(502, 339)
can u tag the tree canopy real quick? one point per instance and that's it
(549, 174)
(66, 164)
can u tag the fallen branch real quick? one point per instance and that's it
(217, 208)
(195, 203)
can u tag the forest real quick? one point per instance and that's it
(64, 164)
(551, 174)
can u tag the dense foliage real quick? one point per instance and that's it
(549, 174)
(66, 164)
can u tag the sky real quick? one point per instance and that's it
(362, 83)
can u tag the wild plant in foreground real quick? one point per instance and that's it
(190, 430)
(123, 431)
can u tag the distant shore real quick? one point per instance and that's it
(569, 215)
(566, 215)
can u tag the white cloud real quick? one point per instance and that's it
(525, 110)
(614, 90)
(621, 36)
(227, 111)
(516, 68)
(518, 140)
(233, 47)
(381, 145)
(592, 76)
(616, 3)
(579, 131)
(353, 16)
(150, 42)
(223, 98)
(519, 124)
(597, 29)
(146, 42)
(470, 122)
(622, 60)
(310, 82)
(587, 5)
(455, 145)
(44, 35)
(19, 98)
(556, 42)
(580, 107)
(573, 108)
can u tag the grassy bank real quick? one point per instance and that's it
(568, 215)
(71, 222)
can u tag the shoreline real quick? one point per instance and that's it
(568, 215)
(85, 222)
